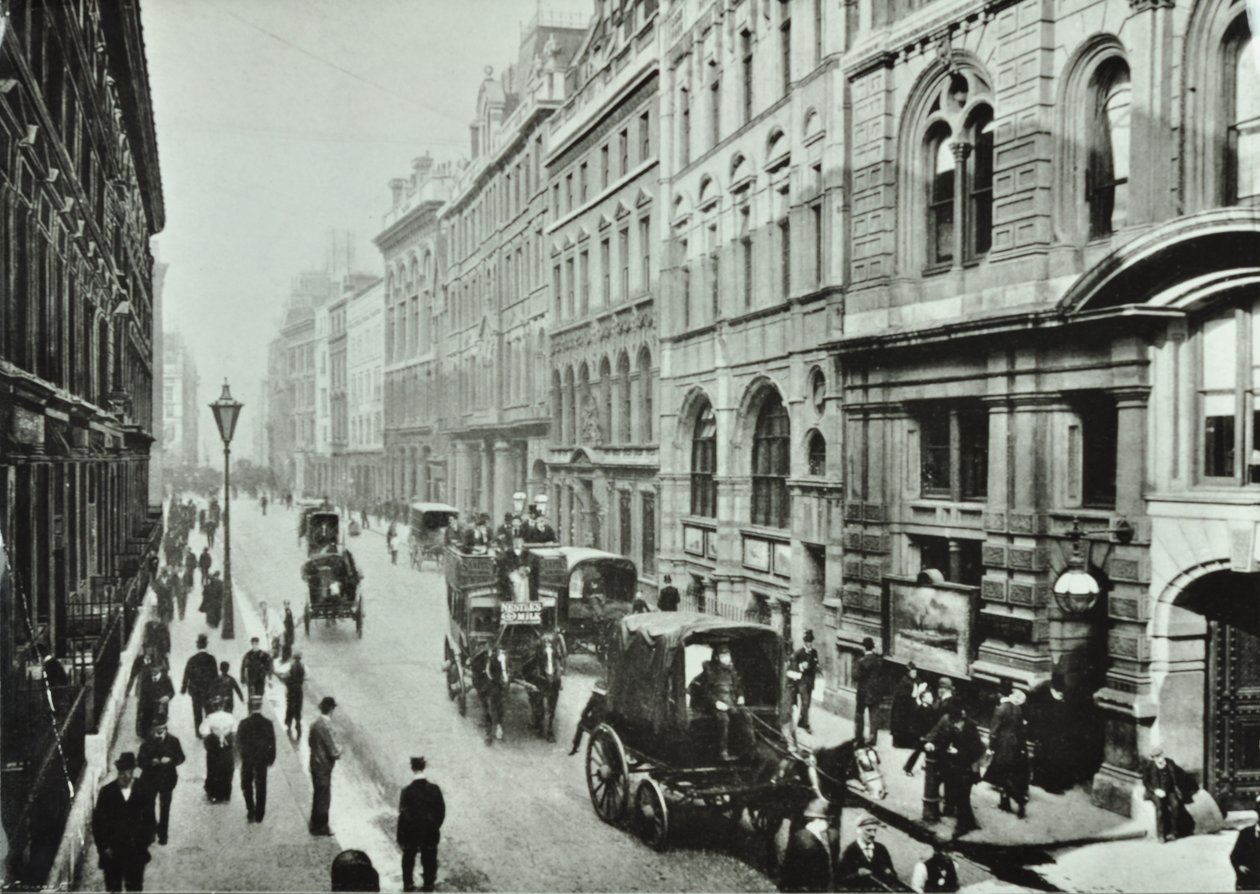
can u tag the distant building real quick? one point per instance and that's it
(182, 407)
(363, 456)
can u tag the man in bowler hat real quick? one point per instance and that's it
(324, 755)
(160, 754)
(122, 827)
(256, 742)
(866, 681)
(807, 861)
(421, 811)
(805, 665)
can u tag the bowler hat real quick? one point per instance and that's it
(418, 764)
(126, 761)
(202, 641)
(868, 643)
(817, 809)
(327, 703)
(809, 636)
(255, 701)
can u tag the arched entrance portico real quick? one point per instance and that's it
(1209, 701)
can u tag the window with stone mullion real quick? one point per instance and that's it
(771, 465)
(704, 464)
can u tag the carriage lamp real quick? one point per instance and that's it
(227, 410)
(1076, 589)
(518, 502)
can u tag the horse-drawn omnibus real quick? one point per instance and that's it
(655, 746)
(503, 634)
(593, 591)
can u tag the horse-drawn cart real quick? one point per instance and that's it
(334, 589)
(593, 590)
(428, 523)
(656, 749)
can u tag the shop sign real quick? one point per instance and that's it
(529, 613)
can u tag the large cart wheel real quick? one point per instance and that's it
(651, 814)
(358, 619)
(456, 687)
(306, 618)
(607, 776)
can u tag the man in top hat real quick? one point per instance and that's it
(256, 743)
(421, 811)
(324, 755)
(668, 599)
(122, 827)
(866, 861)
(718, 690)
(160, 755)
(200, 672)
(866, 681)
(154, 696)
(807, 860)
(805, 665)
(958, 747)
(1245, 857)
(255, 667)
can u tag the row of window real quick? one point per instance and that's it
(597, 172)
(578, 286)
(503, 198)
(610, 409)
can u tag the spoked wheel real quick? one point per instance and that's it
(358, 619)
(456, 688)
(607, 777)
(651, 815)
(306, 618)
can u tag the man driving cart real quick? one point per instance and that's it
(718, 691)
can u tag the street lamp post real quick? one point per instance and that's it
(227, 411)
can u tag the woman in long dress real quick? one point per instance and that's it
(219, 730)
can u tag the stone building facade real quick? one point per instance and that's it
(365, 343)
(338, 400)
(1049, 316)
(751, 183)
(181, 407)
(602, 244)
(81, 195)
(416, 463)
(495, 372)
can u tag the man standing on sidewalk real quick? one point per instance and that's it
(255, 668)
(160, 754)
(958, 748)
(294, 681)
(1245, 857)
(256, 742)
(866, 680)
(421, 811)
(200, 672)
(289, 632)
(324, 755)
(806, 662)
(122, 827)
(226, 688)
(204, 564)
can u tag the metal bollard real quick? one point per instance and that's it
(931, 789)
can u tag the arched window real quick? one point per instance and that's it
(771, 463)
(624, 403)
(605, 398)
(816, 453)
(1107, 176)
(584, 403)
(1229, 381)
(646, 387)
(570, 410)
(557, 407)
(704, 463)
(941, 196)
(980, 184)
(1242, 160)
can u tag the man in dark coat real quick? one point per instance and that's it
(805, 663)
(256, 744)
(160, 755)
(204, 564)
(1170, 789)
(255, 667)
(153, 697)
(807, 861)
(190, 567)
(324, 755)
(866, 682)
(668, 599)
(226, 688)
(902, 717)
(1008, 772)
(1053, 726)
(122, 827)
(200, 672)
(421, 812)
(717, 690)
(865, 864)
(509, 561)
(543, 531)
(958, 748)
(294, 680)
(290, 628)
(938, 872)
(478, 537)
(1245, 857)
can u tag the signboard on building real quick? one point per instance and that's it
(931, 624)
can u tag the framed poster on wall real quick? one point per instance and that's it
(710, 544)
(783, 559)
(931, 624)
(693, 540)
(756, 554)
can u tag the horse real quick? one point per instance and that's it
(490, 678)
(545, 691)
(794, 777)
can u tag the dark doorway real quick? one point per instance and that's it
(1231, 604)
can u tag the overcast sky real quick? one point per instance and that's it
(280, 119)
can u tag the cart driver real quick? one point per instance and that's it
(717, 690)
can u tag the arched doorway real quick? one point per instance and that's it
(1229, 603)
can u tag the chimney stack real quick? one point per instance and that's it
(396, 186)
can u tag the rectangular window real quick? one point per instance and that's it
(714, 274)
(1099, 430)
(973, 459)
(645, 137)
(584, 283)
(684, 128)
(785, 258)
(623, 141)
(818, 32)
(816, 225)
(1218, 378)
(686, 285)
(603, 167)
(934, 464)
(568, 192)
(746, 267)
(746, 70)
(954, 451)
(569, 287)
(645, 253)
(715, 112)
(625, 515)
(605, 266)
(648, 534)
(582, 187)
(623, 237)
(785, 51)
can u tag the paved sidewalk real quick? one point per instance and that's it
(212, 846)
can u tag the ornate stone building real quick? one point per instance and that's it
(364, 457)
(496, 371)
(603, 242)
(1051, 315)
(752, 136)
(81, 196)
(415, 458)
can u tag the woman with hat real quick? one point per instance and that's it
(903, 721)
(1008, 743)
(218, 730)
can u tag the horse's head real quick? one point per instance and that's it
(867, 770)
(836, 765)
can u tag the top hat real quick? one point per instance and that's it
(809, 636)
(418, 763)
(868, 643)
(126, 761)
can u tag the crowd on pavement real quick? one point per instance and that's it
(132, 811)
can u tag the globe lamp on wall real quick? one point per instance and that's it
(1077, 589)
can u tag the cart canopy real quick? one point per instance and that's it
(647, 667)
(431, 516)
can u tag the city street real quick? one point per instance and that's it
(519, 816)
